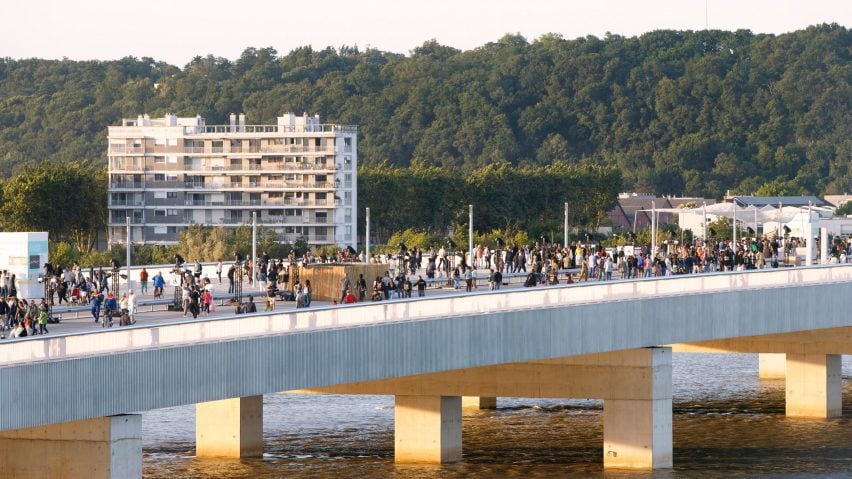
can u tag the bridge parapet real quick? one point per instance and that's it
(142, 337)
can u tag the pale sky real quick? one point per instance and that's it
(177, 30)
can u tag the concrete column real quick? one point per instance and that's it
(638, 422)
(772, 365)
(99, 448)
(479, 402)
(229, 428)
(814, 385)
(427, 429)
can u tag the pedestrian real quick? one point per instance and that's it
(159, 284)
(344, 287)
(185, 298)
(307, 292)
(42, 317)
(97, 299)
(232, 271)
(219, 271)
(421, 287)
(131, 306)
(143, 281)
(362, 287)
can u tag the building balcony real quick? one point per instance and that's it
(118, 185)
(126, 203)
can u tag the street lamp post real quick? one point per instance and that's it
(127, 256)
(565, 227)
(254, 240)
(470, 235)
(368, 237)
(653, 229)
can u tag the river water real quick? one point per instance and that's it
(726, 423)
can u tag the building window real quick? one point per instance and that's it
(172, 230)
(159, 230)
(171, 194)
(171, 212)
(159, 159)
(159, 212)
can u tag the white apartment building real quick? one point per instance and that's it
(298, 176)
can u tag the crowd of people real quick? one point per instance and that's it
(21, 318)
(541, 263)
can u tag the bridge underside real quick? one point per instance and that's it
(632, 389)
(634, 384)
(809, 362)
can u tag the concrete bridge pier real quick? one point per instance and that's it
(637, 414)
(427, 429)
(229, 428)
(479, 402)
(99, 448)
(814, 385)
(772, 365)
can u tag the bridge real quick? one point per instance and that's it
(78, 395)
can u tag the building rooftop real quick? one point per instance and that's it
(288, 122)
(775, 200)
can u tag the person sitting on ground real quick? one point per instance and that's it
(377, 289)
(250, 307)
(349, 298)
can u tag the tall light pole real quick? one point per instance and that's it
(704, 224)
(809, 240)
(127, 257)
(735, 226)
(368, 236)
(653, 229)
(253, 243)
(470, 235)
(565, 227)
(755, 221)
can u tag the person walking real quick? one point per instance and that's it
(97, 299)
(344, 287)
(159, 284)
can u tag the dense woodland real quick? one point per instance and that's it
(669, 112)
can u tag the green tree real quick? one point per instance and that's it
(67, 200)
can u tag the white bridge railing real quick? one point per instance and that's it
(176, 334)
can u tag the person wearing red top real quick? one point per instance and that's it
(349, 298)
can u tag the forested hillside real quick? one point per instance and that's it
(694, 113)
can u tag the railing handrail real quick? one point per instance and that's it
(83, 344)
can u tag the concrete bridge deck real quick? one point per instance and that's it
(606, 340)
